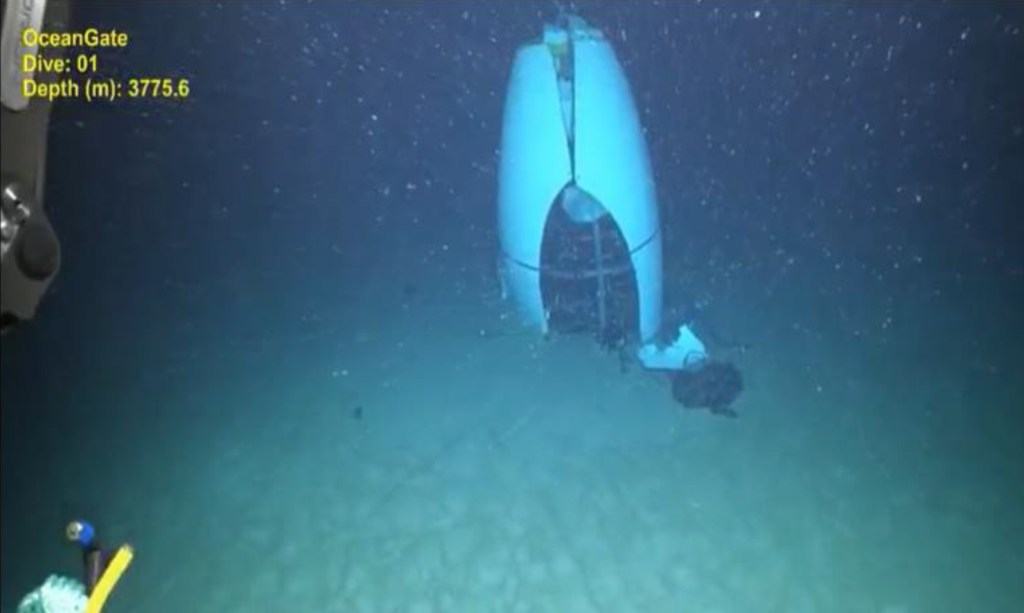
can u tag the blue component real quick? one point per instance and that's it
(87, 533)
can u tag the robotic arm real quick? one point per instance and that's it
(29, 261)
(103, 569)
(29, 249)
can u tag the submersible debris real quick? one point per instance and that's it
(715, 387)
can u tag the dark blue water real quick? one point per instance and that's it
(275, 360)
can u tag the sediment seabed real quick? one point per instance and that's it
(518, 512)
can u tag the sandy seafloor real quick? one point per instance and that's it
(494, 471)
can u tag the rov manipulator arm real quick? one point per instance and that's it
(29, 248)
